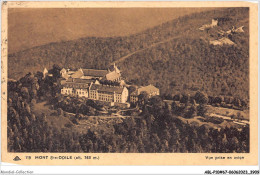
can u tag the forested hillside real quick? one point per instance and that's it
(187, 62)
(39, 120)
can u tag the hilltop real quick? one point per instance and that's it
(175, 56)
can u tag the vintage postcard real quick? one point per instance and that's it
(129, 83)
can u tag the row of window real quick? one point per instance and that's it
(76, 85)
(92, 95)
(105, 93)
(81, 93)
(71, 92)
(133, 98)
(105, 98)
(118, 100)
(66, 91)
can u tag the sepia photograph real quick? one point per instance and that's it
(128, 80)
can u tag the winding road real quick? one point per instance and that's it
(140, 50)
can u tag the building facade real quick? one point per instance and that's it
(76, 87)
(150, 90)
(86, 83)
(107, 93)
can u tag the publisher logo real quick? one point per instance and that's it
(16, 158)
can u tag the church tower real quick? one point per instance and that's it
(116, 69)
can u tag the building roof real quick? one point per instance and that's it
(63, 70)
(70, 72)
(149, 89)
(66, 76)
(45, 71)
(78, 80)
(112, 76)
(106, 88)
(78, 83)
(94, 72)
(77, 74)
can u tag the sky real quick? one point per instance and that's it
(28, 28)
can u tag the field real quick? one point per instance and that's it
(228, 112)
(52, 117)
(218, 117)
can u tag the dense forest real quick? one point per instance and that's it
(175, 56)
(156, 129)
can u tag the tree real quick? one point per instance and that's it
(143, 98)
(190, 111)
(218, 99)
(15, 129)
(26, 121)
(130, 122)
(75, 121)
(202, 110)
(149, 120)
(201, 97)
(157, 106)
(33, 118)
(185, 98)
(55, 71)
(43, 117)
(39, 76)
(33, 93)
(91, 111)
(25, 93)
(237, 102)
(176, 109)
(177, 97)
(131, 89)
(55, 90)
(60, 112)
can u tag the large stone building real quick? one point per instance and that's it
(111, 74)
(76, 87)
(85, 83)
(90, 74)
(150, 90)
(118, 94)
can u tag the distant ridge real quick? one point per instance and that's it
(35, 27)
